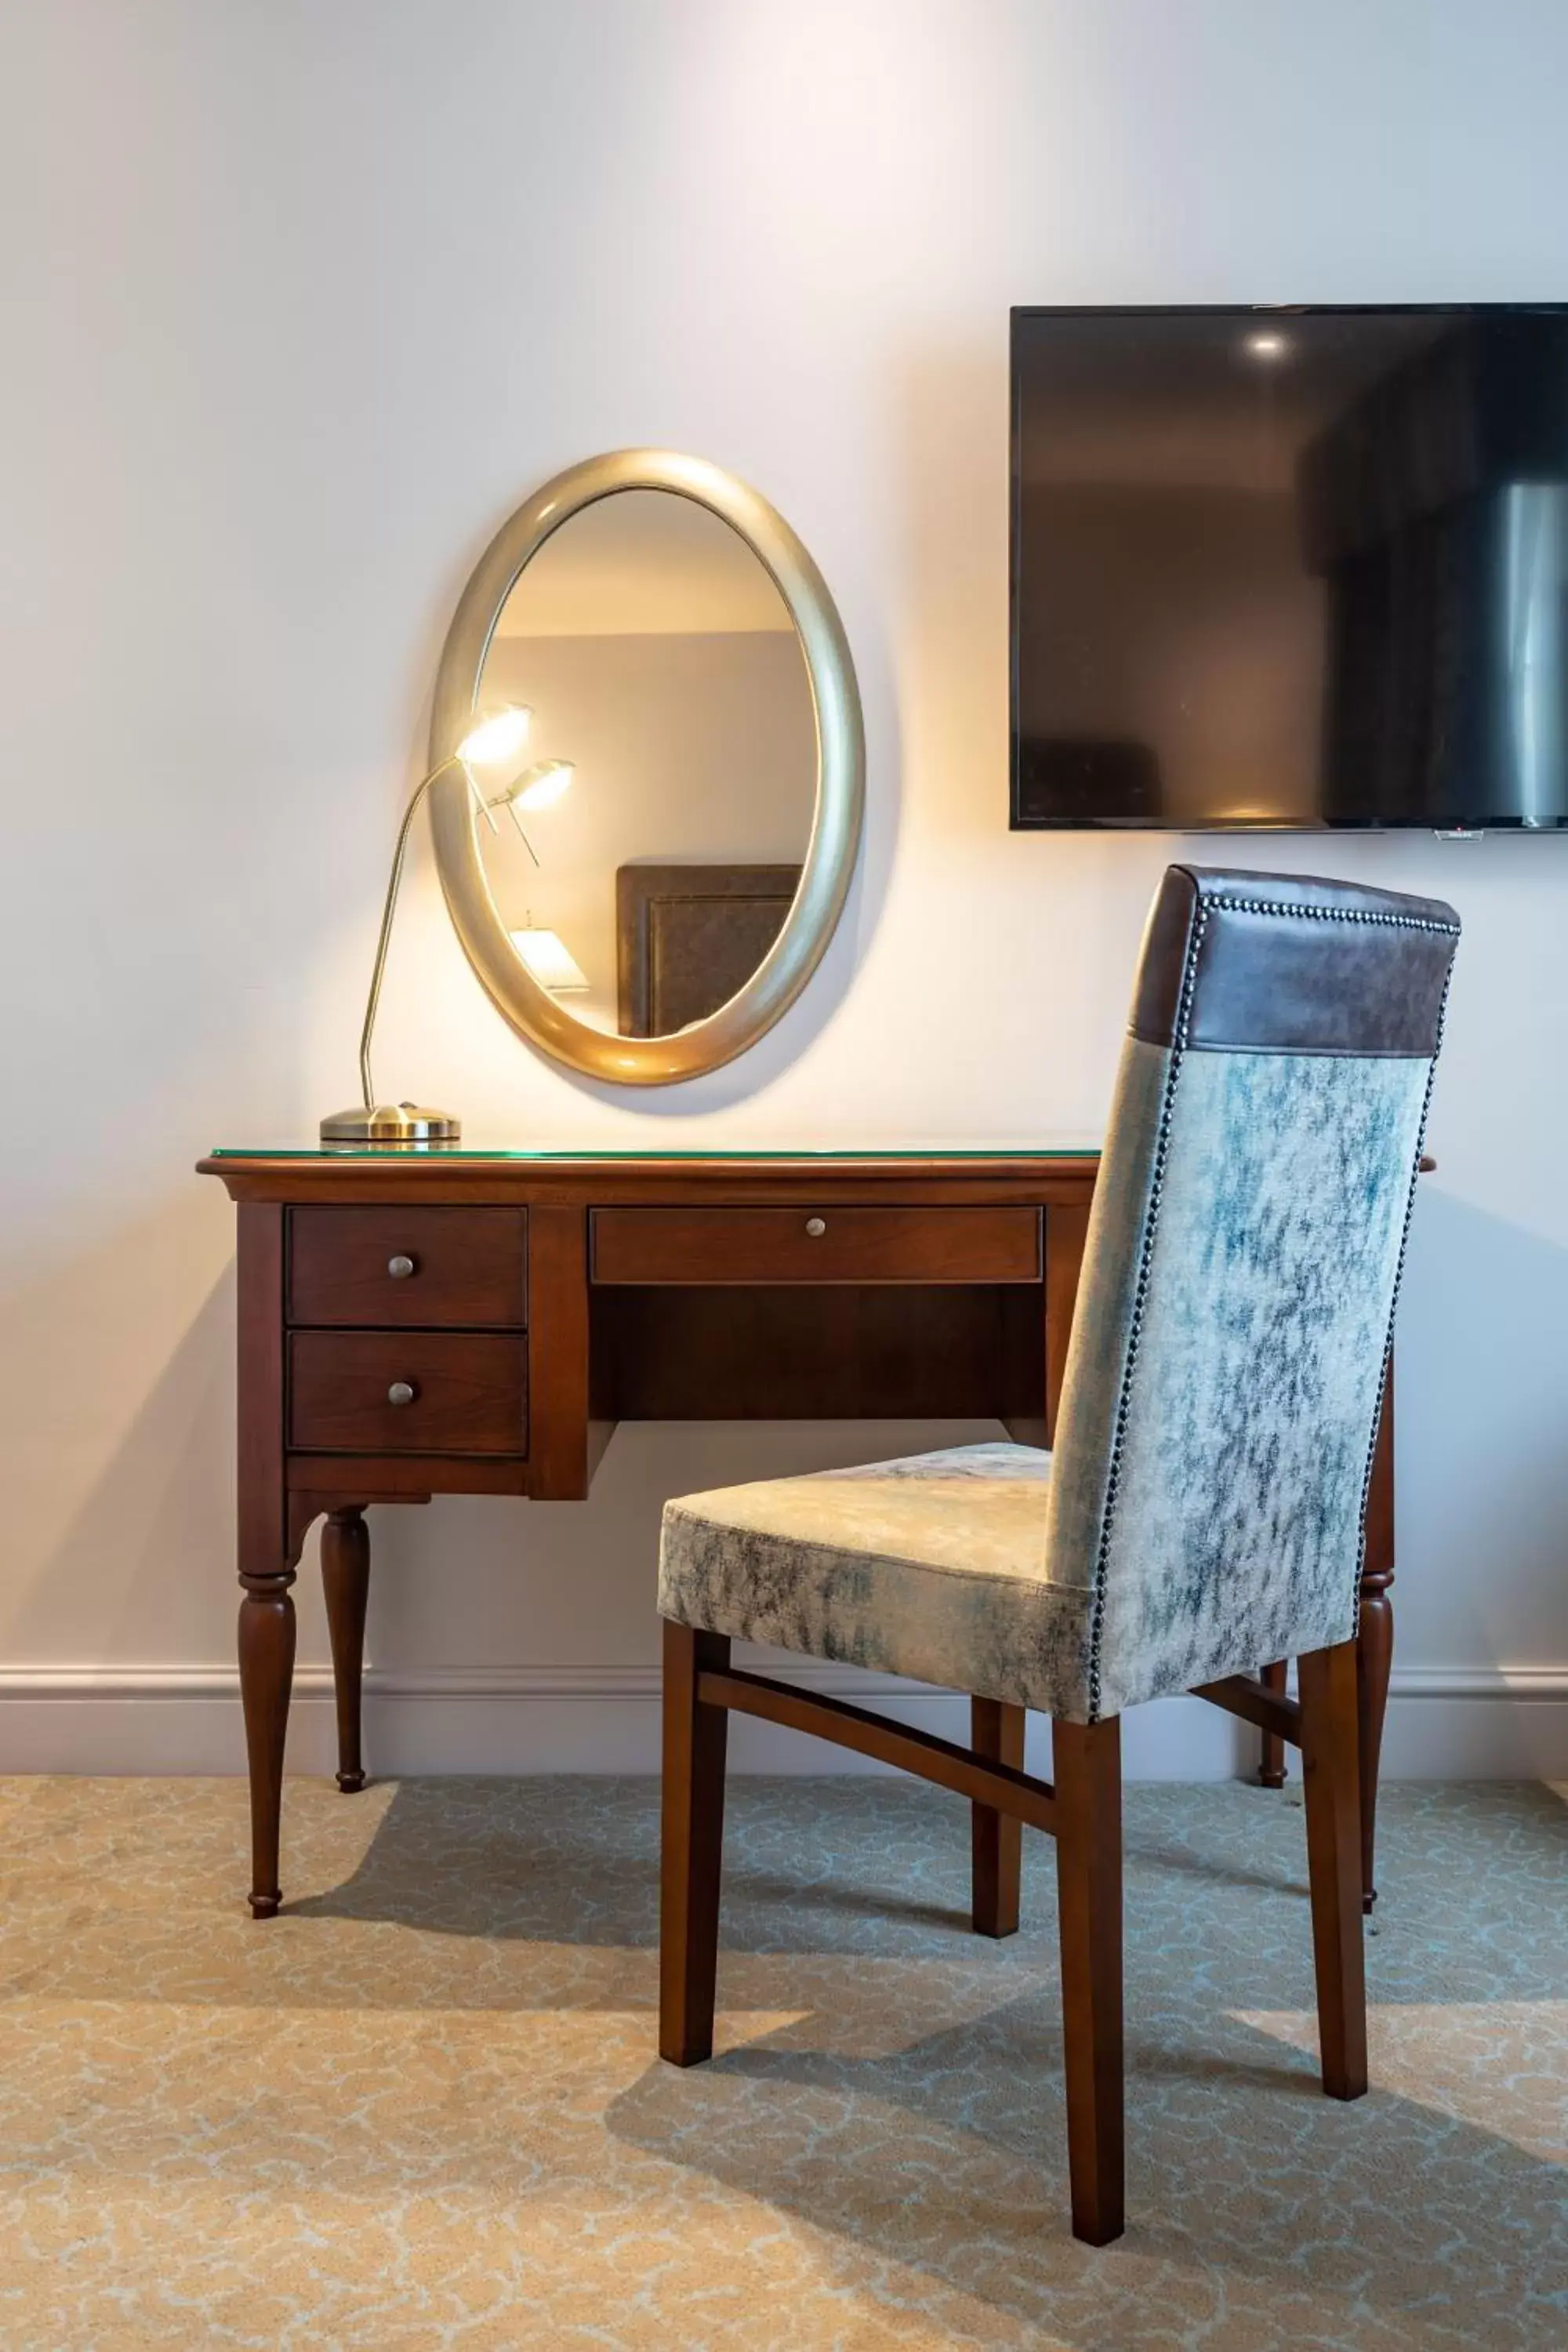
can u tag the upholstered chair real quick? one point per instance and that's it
(1201, 1514)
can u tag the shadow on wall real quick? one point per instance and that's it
(1481, 1441)
(951, 663)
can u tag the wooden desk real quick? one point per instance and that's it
(477, 1323)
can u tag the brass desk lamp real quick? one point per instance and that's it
(494, 742)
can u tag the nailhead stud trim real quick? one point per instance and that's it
(1399, 1268)
(1140, 1300)
(1327, 914)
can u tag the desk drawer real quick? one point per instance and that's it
(453, 1267)
(468, 1391)
(815, 1242)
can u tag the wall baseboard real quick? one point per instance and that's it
(1472, 1723)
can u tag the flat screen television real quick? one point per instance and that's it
(1299, 567)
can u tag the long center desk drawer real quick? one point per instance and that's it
(407, 1266)
(815, 1242)
(408, 1392)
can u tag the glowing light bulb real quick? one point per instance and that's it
(1265, 346)
(499, 736)
(539, 787)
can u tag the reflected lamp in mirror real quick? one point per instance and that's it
(494, 742)
(550, 960)
(539, 787)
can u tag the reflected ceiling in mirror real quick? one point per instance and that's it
(645, 876)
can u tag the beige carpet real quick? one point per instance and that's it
(422, 2109)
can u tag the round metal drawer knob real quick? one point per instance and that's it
(402, 1392)
(816, 1227)
(400, 1267)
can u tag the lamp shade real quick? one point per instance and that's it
(551, 962)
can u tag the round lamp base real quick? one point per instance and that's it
(389, 1126)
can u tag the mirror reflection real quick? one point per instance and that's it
(647, 858)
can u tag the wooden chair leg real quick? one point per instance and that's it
(1088, 1777)
(1271, 1748)
(996, 1840)
(1327, 1680)
(695, 1739)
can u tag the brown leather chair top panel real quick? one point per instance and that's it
(1291, 963)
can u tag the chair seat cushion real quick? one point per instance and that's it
(934, 1566)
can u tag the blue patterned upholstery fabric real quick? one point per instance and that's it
(1233, 1534)
(1202, 1511)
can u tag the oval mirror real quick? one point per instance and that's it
(653, 882)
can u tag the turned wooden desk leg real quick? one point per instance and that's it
(1272, 1748)
(1374, 1636)
(345, 1581)
(269, 1537)
(266, 1677)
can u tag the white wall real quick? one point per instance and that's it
(298, 300)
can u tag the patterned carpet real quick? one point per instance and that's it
(420, 2110)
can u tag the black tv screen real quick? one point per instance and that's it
(1298, 567)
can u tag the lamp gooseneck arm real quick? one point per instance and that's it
(387, 913)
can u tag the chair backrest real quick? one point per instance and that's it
(1235, 1310)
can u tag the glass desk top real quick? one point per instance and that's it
(827, 1154)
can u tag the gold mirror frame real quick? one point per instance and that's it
(818, 901)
